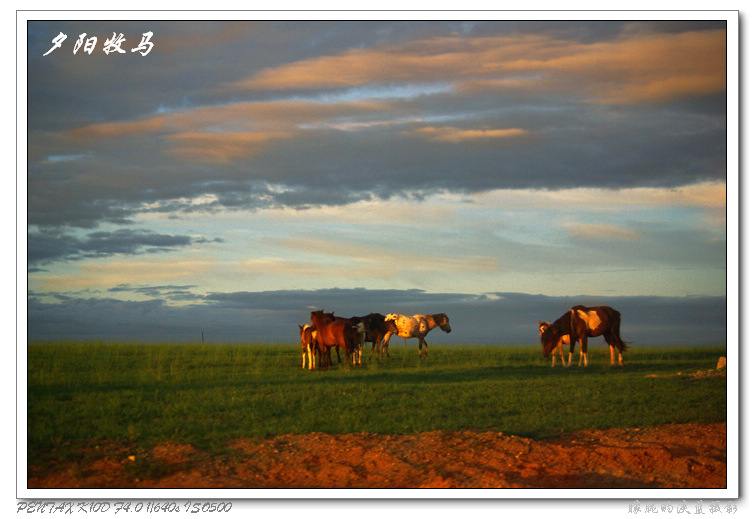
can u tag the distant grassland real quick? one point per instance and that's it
(86, 394)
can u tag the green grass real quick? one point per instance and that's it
(89, 394)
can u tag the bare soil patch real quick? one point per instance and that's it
(668, 456)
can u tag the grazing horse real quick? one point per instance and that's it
(581, 322)
(308, 345)
(334, 332)
(417, 326)
(560, 345)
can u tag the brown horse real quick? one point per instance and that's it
(560, 345)
(334, 332)
(308, 345)
(417, 326)
(581, 322)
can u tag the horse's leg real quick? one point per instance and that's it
(386, 338)
(421, 342)
(582, 350)
(324, 357)
(561, 351)
(349, 352)
(571, 351)
(615, 339)
(303, 358)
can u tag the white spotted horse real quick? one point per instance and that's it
(581, 322)
(417, 326)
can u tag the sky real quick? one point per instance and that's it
(237, 175)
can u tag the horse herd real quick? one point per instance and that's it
(350, 334)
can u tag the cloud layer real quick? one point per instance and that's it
(467, 111)
(247, 317)
(409, 163)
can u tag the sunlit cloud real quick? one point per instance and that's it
(119, 129)
(601, 231)
(433, 211)
(710, 195)
(221, 147)
(107, 274)
(223, 133)
(632, 68)
(451, 134)
(399, 257)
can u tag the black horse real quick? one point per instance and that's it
(581, 322)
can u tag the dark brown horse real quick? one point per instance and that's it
(581, 322)
(376, 330)
(334, 332)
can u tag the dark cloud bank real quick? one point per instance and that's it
(653, 144)
(253, 317)
(52, 245)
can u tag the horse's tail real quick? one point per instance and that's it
(616, 332)
(620, 343)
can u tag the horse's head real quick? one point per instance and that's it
(322, 316)
(443, 322)
(548, 338)
(543, 326)
(317, 315)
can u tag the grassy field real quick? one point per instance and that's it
(86, 394)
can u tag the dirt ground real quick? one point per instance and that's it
(668, 456)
